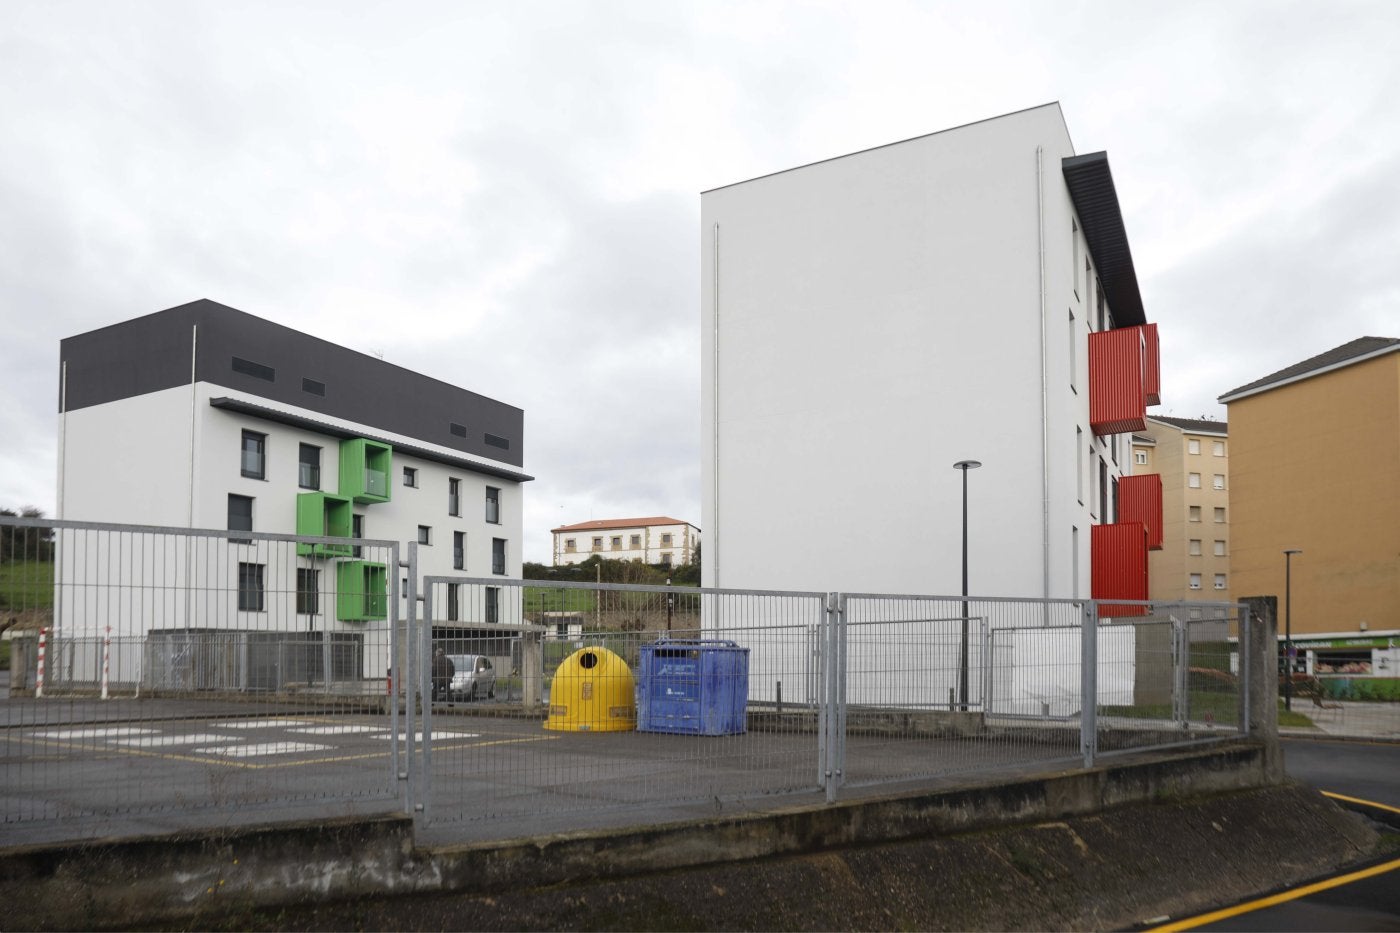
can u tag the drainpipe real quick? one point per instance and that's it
(1044, 386)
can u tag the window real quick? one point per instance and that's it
(458, 430)
(1104, 320)
(256, 370)
(617, 542)
(1074, 560)
(425, 535)
(498, 555)
(1218, 481)
(1193, 446)
(308, 592)
(240, 516)
(1219, 515)
(570, 544)
(1195, 513)
(597, 544)
(636, 542)
(454, 497)
(357, 530)
(250, 587)
(1074, 248)
(493, 505)
(1219, 548)
(309, 467)
(1073, 357)
(1140, 457)
(454, 607)
(1193, 480)
(495, 440)
(1103, 492)
(1220, 581)
(666, 559)
(1195, 581)
(1194, 548)
(1217, 448)
(410, 477)
(493, 604)
(313, 387)
(459, 550)
(254, 463)
(666, 540)
(1079, 463)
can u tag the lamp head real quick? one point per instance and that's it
(966, 465)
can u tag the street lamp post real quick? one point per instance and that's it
(964, 466)
(1288, 627)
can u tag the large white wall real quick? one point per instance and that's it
(880, 317)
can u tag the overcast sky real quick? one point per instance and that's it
(505, 196)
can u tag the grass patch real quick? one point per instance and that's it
(1223, 709)
(26, 584)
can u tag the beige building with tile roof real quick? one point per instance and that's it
(1316, 456)
(654, 540)
(1192, 456)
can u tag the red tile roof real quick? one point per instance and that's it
(606, 523)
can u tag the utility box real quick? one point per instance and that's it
(693, 687)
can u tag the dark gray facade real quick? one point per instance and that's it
(205, 341)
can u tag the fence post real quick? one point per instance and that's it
(1262, 702)
(106, 658)
(39, 668)
(1089, 682)
(1246, 672)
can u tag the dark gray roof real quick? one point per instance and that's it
(1194, 425)
(1141, 438)
(1096, 201)
(1355, 351)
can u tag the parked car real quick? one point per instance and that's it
(473, 676)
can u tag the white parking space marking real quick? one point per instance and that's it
(437, 736)
(335, 730)
(154, 741)
(114, 733)
(260, 749)
(260, 723)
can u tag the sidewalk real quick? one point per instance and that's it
(1369, 720)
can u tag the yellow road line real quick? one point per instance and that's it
(1281, 898)
(1364, 803)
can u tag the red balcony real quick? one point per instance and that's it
(1140, 500)
(1124, 377)
(1118, 560)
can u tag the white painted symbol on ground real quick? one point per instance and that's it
(153, 741)
(261, 749)
(437, 736)
(260, 723)
(336, 730)
(113, 733)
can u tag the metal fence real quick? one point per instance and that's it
(162, 678)
(165, 678)
(662, 703)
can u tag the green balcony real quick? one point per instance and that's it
(362, 591)
(364, 470)
(324, 514)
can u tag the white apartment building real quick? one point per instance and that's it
(654, 540)
(871, 319)
(202, 416)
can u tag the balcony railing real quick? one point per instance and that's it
(376, 482)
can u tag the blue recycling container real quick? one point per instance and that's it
(693, 687)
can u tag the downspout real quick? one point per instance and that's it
(194, 355)
(62, 434)
(713, 556)
(1044, 384)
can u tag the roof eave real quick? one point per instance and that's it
(1091, 188)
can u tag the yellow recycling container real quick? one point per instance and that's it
(593, 691)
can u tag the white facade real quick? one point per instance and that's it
(657, 540)
(869, 320)
(173, 457)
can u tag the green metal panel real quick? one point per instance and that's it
(324, 513)
(365, 467)
(362, 591)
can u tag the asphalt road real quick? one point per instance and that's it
(1362, 770)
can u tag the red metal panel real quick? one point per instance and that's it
(1140, 500)
(1152, 365)
(1117, 390)
(1118, 559)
